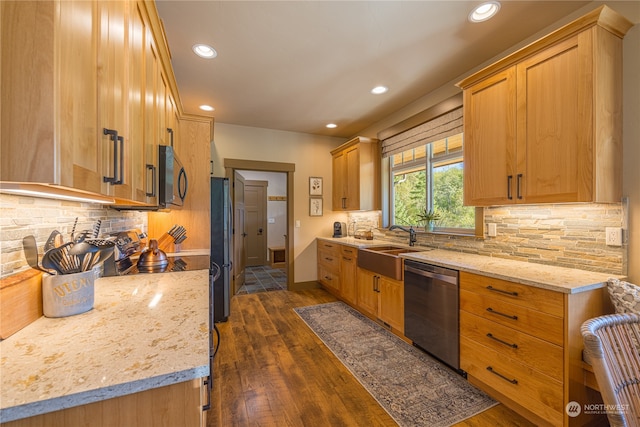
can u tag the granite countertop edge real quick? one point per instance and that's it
(559, 279)
(96, 395)
(48, 351)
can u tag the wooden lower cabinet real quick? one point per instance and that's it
(367, 289)
(522, 345)
(348, 269)
(329, 266)
(176, 405)
(377, 296)
(381, 297)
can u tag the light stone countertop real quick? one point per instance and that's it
(559, 279)
(124, 345)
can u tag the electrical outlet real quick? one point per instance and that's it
(613, 236)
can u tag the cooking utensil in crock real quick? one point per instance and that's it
(66, 263)
(30, 248)
(152, 259)
(52, 240)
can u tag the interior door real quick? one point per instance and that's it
(239, 233)
(255, 210)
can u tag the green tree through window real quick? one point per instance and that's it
(431, 178)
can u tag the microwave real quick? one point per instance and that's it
(172, 179)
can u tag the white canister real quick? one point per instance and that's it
(67, 294)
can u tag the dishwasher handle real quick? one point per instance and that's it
(432, 271)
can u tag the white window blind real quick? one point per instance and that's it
(441, 127)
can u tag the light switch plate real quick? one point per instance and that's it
(492, 230)
(614, 236)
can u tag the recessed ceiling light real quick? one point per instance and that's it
(379, 90)
(206, 108)
(204, 51)
(484, 11)
(332, 125)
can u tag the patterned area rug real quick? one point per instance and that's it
(415, 389)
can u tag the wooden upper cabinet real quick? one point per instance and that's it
(543, 125)
(356, 175)
(49, 94)
(490, 140)
(82, 67)
(144, 66)
(113, 97)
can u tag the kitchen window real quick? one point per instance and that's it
(429, 177)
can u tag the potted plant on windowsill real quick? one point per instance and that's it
(428, 218)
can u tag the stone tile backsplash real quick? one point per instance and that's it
(571, 235)
(562, 235)
(21, 216)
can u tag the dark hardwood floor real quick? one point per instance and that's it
(272, 370)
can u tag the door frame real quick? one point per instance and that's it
(231, 165)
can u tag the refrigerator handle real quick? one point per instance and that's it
(217, 272)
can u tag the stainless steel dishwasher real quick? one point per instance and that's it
(431, 310)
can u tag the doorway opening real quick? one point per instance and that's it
(262, 193)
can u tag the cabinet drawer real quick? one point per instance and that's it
(523, 319)
(526, 349)
(515, 293)
(329, 278)
(538, 393)
(330, 260)
(328, 246)
(349, 251)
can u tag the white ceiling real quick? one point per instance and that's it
(298, 65)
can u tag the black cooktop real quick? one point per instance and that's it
(178, 263)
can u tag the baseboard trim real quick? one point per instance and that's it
(304, 286)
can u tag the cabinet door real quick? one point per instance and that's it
(151, 137)
(137, 92)
(391, 305)
(78, 103)
(352, 160)
(490, 141)
(555, 147)
(339, 182)
(112, 95)
(348, 267)
(367, 291)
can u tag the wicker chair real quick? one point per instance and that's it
(612, 347)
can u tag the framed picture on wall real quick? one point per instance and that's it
(315, 186)
(315, 206)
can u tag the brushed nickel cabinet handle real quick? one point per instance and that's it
(508, 344)
(513, 294)
(509, 179)
(491, 310)
(512, 381)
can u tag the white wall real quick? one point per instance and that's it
(311, 156)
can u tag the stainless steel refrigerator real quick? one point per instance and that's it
(221, 217)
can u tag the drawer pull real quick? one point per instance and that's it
(490, 335)
(328, 278)
(491, 288)
(491, 310)
(512, 381)
(328, 259)
(347, 259)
